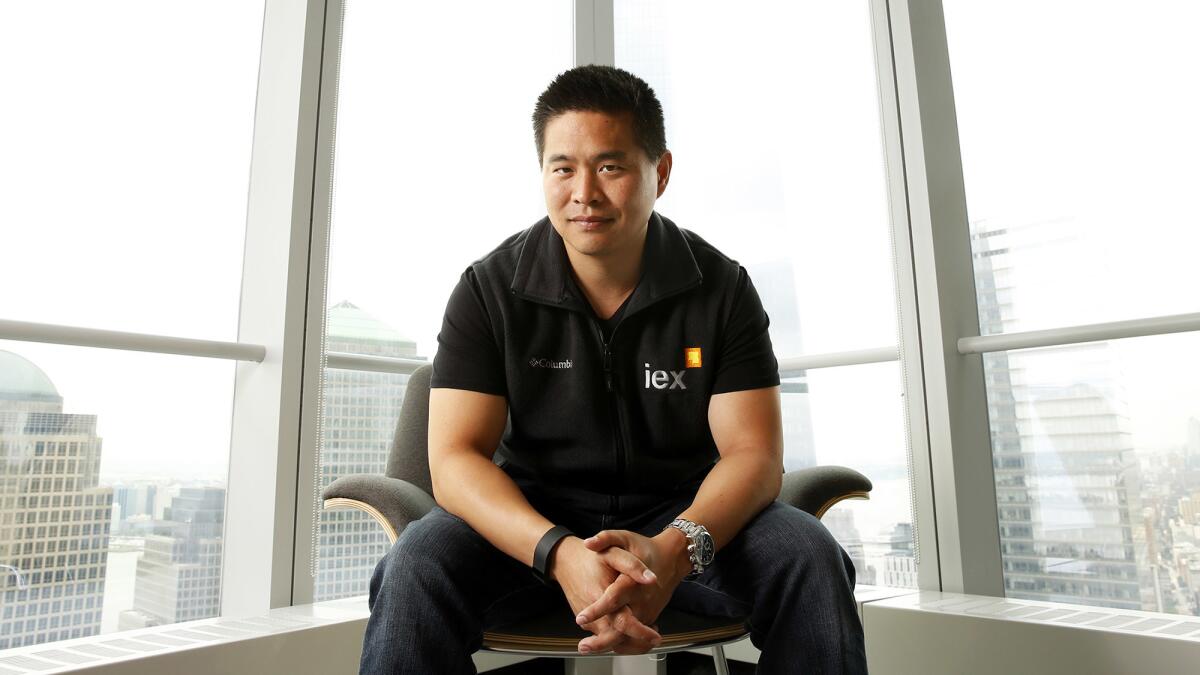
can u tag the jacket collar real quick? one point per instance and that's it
(544, 271)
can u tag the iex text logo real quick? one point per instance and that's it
(665, 379)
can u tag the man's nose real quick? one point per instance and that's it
(587, 189)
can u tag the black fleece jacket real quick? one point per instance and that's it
(595, 425)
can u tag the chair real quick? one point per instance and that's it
(404, 494)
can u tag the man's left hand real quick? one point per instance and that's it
(661, 554)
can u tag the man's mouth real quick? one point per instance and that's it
(589, 223)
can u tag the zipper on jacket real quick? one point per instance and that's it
(607, 366)
(606, 353)
(614, 405)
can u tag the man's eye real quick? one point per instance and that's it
(561, 170)
(610, 167)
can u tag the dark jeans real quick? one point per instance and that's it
(442, 583)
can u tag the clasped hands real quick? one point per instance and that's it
(617, 583)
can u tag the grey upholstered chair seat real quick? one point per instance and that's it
(404, 494)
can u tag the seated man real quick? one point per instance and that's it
(610, 358)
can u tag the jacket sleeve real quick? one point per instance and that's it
(746, 359)
(468, 356)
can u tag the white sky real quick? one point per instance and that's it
(125, 205)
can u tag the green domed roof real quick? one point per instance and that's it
(348, 323)
(21, 380)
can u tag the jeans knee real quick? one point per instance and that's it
(436, 545)
(812, 548)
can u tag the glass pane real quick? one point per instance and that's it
(823, 415)
(361, 409)
(126, 162)
(778, 156)
(1078, 142)
(1096, 450)
(429, 136)
(112, 489)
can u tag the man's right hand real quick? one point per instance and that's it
(584, 575)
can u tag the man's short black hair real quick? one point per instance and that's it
(603, 89)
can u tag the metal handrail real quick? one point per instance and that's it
(139, 342)
(376, 364)
(1112, 330)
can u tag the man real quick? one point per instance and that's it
(590, 372)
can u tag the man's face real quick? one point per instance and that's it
(600, 186)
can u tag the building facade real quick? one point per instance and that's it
(179, 572)
(359, 422)
(54, 516)
(1068, 485)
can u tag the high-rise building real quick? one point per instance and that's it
(54, 516)
(840, 523)
(133, 500)
(1191, 451)
(900, 563)
(179, 573)
(1067, 480)
(360, 412)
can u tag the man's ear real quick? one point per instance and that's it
(664, 172)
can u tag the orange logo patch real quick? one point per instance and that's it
(691, 357)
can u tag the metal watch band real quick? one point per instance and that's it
(541, 554)
(692, 531)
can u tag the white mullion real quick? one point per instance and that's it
(260, 502)
(925, 542)
(594, 32)
(956, 413)
(312, 403)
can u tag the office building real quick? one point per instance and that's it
(135, 500)
(359, 422)
(1067, 479)
(54, 516)
(179, 572)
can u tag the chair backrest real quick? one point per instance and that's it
(409, 458)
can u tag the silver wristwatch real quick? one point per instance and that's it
(700, 545)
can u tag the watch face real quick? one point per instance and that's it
(705, 548)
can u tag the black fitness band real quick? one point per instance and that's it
(541, 554)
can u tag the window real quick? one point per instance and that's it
(1078, 167)
(128, 180)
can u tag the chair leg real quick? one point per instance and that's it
(594, 665)
(719, 660)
